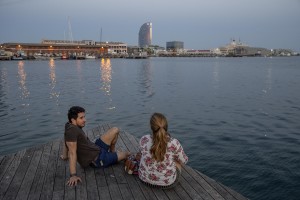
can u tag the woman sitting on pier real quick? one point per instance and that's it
(161, 155)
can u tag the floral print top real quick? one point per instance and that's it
(160, 173)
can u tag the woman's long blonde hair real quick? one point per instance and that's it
(159, 127)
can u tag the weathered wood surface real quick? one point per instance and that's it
(38, 173)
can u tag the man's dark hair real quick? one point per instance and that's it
(73, 112)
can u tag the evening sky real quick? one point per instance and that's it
(200, 24)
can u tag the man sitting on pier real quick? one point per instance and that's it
(79, 148)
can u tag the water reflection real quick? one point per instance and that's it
(79, 68)
(3, 82)
(24, 91)
(145, 77)
(216, 77)
(22, 76)
(106, 71)
(52, 75)
(268, 80)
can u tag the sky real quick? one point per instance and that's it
(200, 24)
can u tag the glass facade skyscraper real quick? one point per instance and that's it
(174, 45)
(145, 35)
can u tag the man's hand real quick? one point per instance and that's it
(73, 181)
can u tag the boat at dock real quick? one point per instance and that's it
(19, 55)
(87, 56)
(140, 55)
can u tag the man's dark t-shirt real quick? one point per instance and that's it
(87, 151)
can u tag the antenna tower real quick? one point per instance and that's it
(70, 36)
(101, 35)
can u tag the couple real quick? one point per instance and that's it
(161, 155)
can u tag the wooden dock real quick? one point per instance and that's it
(38, 173)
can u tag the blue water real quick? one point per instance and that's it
(237, 118)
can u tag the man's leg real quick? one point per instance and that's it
(122, 155)
(110, 138)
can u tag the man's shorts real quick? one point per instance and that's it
(105, 157)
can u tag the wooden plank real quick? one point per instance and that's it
(147, 191)
(15, 185)
(189, 189)
(47, 191)
(159, 193)
(10, 173)
(100, 177)
(131, 147)
(6, 162)
(218, 187)
(119, 167)
(133, 140)
(70, 191)
(60, 175)
(112, 184)
(118, 172)
(29, 177)
(107, 177)
(90, 134)
(203, 193)
(125, 192)
(134, 186)
(181, 192)
(171, 194)
(81, 188)
(104, 194)
(234, 193)
(91, 184)
(1, 158)
(115, 192)
(38, 181)
(205, 185)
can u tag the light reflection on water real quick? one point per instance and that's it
(53, 93)
(238, 119)
(22, 76)
(24, 95)
(106, 78)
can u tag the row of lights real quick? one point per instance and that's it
(19, 46)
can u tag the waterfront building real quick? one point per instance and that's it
(239, 49)
(84, 47)
(175, 46)
(113, 47)
(145, 35)
(202, 52)
(232, 47)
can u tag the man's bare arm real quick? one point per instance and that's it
(65, 153)
(72, 146)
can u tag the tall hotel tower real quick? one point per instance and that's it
(145, 35)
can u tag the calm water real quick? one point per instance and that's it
(237, 118)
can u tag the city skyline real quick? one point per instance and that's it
(199, 24)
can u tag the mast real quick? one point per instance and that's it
(70, 30)
(100, 35)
